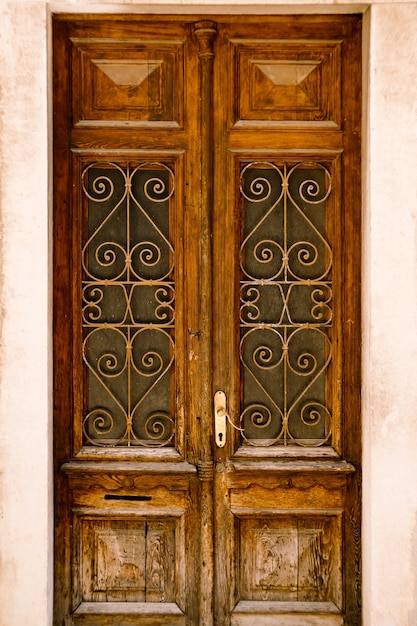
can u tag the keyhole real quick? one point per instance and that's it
(220, 437)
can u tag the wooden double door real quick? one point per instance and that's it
(207, 320)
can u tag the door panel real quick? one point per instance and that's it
(206, 228)
(289, 144)
(285, 217)
(127, 493)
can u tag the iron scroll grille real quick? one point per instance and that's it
(128, 309)
(285, 304)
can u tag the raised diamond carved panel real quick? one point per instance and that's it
(284, 85)
(287, 82)
(286, 74)
(127, 82)
(128, 73)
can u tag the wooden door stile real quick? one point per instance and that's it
(205, 33)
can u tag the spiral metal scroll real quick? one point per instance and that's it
(128, 298)
(286, 304)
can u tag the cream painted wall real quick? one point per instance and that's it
(390, 305)
(25, 494)
(390, 354)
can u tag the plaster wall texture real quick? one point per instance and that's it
(390, 356)
(389, 299)
(25, 495)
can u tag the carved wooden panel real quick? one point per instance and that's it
(288, 81)
(127, 560)
(128, 82)
(291, 559)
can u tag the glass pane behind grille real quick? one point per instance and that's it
(285, 304)
(128, 305)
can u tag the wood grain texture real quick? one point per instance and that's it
(121, 614)
(291, 559)
(205, 33)
(288, 613)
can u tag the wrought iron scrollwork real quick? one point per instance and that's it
(285, 304)
(128, 297)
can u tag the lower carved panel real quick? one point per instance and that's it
(127, 560)
(291, 559)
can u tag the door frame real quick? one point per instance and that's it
(202, 470)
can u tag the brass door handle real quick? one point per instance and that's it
(220, 418)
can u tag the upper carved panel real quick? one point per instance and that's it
(283, 82)
(127, 82)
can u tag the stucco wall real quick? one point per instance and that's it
(390, 349)
(390, 308)
(25, 502)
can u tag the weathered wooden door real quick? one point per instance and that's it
(207, 320)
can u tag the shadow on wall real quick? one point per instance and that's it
(412, 615)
